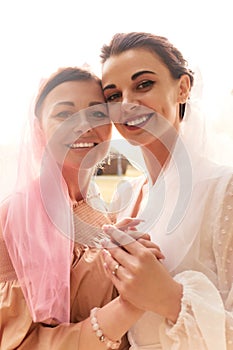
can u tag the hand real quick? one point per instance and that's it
(141, 278)
(128, 225)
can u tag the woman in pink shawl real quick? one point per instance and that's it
(51, 273)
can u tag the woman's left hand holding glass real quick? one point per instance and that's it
(135, 268)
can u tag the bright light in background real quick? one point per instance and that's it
(37, 37)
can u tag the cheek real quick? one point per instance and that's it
(57, 135)
(49, 129)
(154, 101)
(166, 106)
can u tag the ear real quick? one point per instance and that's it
(184, 88)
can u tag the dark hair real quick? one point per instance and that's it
(169, 55)
(62, 75)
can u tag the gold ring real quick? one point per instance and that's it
(114, 272)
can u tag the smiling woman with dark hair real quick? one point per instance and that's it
(186, 203)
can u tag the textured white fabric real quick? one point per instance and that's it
(206, 272)
(189, 213)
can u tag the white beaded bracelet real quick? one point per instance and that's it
(99, 333)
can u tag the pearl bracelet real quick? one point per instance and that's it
(99, 333)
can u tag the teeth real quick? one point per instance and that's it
(82, 145)
(138, 121)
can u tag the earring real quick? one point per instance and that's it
(182, 110)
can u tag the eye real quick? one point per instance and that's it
(63, 114)
(145, 84)
(113, 97)
(99, 114)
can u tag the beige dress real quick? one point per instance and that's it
(90, 287)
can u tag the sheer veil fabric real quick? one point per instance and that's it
(38, 224)
(40, 251)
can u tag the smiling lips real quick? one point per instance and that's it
(138, 121)
(82, 145)
(133, 123)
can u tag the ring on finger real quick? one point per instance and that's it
(114, 271)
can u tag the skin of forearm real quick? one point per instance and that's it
(171, 306)
(114, 319)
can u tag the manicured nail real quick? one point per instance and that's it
(106, 252)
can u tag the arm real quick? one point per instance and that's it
(19, 332)
(206, 316)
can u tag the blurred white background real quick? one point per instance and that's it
(38, 36)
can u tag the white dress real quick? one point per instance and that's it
(198, 253)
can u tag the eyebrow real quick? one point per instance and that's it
(133, 77)
(95, 103)
(110, 86)
(69, 103)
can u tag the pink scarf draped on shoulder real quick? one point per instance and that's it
(38, 231)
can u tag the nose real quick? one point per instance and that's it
(129, 102)
(128, 107)
(118, 111)
(82, 125)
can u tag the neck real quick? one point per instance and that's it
(158, 153)
(77, 182)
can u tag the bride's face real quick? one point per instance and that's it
(74, 119)
(142, 84)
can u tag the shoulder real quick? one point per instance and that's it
(216, 179)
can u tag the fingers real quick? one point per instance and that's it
(138, 235)
(118, 237)
(128, 223)
(148, 244)
(130, 241)
(113, 268)
(113, 254)
(152, 247)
